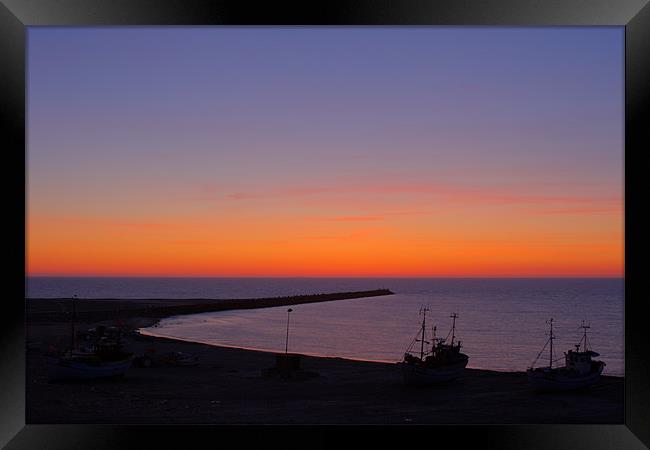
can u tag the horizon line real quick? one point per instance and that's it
(327, 276)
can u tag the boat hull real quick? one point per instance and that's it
(555, 381)
(416, 375)
(65, 369)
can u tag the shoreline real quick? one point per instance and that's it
(232, 385)
(314, 355)
(269, 351)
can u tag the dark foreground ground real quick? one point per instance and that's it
(230, 386)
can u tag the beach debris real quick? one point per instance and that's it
(180, 359)
(142, 361)
(189, 360)
(177, 359)
(288, 366)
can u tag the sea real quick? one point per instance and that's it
(502, 322)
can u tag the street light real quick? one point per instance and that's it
(286, 343)
(73, 318)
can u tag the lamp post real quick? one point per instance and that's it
(73, 318)
(286, 342)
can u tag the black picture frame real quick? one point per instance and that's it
(17, 15)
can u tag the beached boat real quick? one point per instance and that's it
(440, 362)
(82, 365)
(102, 356)
(579, 371)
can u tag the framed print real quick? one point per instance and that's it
(238, 217)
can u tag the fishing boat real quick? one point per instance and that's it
(102, 357)
(439, 362)
(579, 371)
(82, 365)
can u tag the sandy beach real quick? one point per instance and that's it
(233, 386)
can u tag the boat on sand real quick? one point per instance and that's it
(580, 370)
(436, 361)
(103, 356)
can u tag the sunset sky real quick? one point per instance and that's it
(418, 151)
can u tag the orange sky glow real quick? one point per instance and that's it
(358, 231)
(414, 151)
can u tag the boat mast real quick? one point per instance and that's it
(424, 319)
(453, 327)
(584, 336)
(551, 337)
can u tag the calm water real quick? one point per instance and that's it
(501, 324)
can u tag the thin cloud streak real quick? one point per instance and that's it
(448, 192)
(111, 223)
